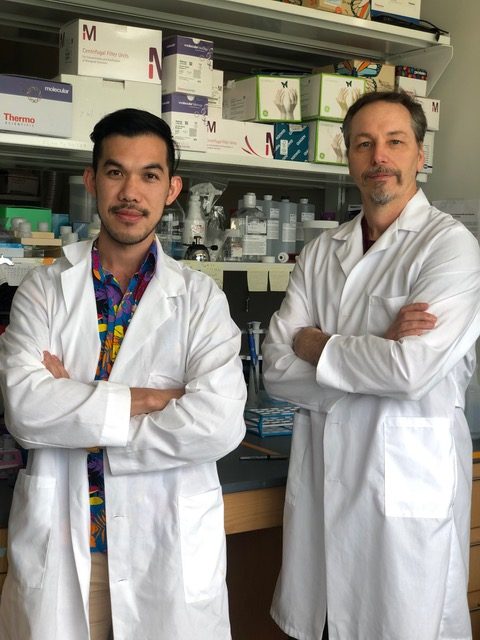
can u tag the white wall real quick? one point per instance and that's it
(456, 171)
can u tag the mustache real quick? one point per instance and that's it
(131, 207)
(381, 171)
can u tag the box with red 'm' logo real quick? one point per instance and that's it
(114, 51)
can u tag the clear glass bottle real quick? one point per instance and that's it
(288, 229)
(271, 211)
(305, 211)
(253, 225)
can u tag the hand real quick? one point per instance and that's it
(54, 365)
(309, 343)
(337, 146)
(278, 101)
(342, 99)
(412, 320)
(290, 102)
(144, 400)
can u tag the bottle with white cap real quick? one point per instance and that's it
(194, 225)
(253, 224)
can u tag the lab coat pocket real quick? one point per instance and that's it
(202, 539)
(382, 312)
(420, 471)
(29, 528)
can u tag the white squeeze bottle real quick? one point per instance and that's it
(194, 222)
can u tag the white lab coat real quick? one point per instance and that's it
(376, 522)
(163, 499)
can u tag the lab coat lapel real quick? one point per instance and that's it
(350, 248)
(156, 306)
(79, 337)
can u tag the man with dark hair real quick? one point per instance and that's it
(116, 527)
(375, 341)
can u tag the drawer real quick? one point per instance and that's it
(475, 504)
(475, 618)
(474, 571)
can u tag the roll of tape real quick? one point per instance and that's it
(282, 257)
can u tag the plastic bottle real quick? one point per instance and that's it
(271, 211)
(194, 222)
(305, 211)
(288, 230)
(253, 225)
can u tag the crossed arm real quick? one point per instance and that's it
(143, 400)
(412, 320)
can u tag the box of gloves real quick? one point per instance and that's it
(263, 98)
(328, 96)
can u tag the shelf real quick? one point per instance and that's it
(250, 32)
(67, 154)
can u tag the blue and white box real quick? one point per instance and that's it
(291, 141)
(187, 117)
(33, 105)
(187, 66)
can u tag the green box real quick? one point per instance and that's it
(34, 215)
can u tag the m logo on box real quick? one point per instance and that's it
(89, 35)
(154, 58)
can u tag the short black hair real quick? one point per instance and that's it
(131, 123)
(417, 115)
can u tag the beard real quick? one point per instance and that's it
(380, 196)
(127, 237)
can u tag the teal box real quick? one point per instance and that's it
(291, 141)
(34, 215)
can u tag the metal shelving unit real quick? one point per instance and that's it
(248, 34)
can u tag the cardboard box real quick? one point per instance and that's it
(414, 86)
(109, 95)
(431, 107)
(263, 99)
(328, 96)
(187, 117)
(291, 141)
(378, 76)
(326, 143)
(215, 101)
(33, 105)
(232, 137)
(359, 9)
(187, 66)
(34, 215)
(406, 9)
(115, 51)
(428, 151)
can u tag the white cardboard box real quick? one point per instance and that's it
(431, 108)
(33, 105)
(215, 101)
(187, 117)
(326, 144)
(232, 137)
(109, 95)
(413, 86)
(187, 65)
(104, 50)
(401, 8)
(328, 96)
(263, 99)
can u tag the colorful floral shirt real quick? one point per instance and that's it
(114, 312)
